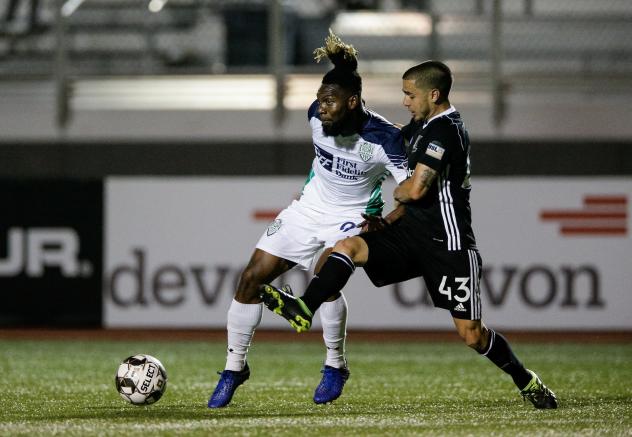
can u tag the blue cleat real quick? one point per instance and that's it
(330, 387)
(229, 380)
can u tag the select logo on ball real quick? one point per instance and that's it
(141, 379)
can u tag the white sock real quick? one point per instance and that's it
(333, 316)
(242, 321)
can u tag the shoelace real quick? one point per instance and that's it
(224, 375)
(530, 396)
(330, 373)
(536, 392)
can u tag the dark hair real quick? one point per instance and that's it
(345, 60)
(431, 74)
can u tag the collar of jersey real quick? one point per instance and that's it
(450, 110)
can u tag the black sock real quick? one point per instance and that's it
(330, 279)
(500, 353)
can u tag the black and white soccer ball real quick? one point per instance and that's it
(141, 379)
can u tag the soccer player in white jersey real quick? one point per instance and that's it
(356, 149)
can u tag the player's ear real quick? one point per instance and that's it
(435, 95)
(353, 101)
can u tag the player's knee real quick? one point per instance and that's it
(474, 338)
(342, 247)
(349, 246)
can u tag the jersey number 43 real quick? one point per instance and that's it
(462, 287)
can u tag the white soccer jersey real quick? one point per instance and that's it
(347, 172)
(345, 181)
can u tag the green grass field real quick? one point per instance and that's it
(67, 388)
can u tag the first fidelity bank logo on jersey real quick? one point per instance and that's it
(342, 167)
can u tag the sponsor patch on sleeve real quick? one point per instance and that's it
(435, 149)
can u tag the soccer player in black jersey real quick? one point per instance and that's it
(429, 234)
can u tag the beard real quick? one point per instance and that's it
(332, 129)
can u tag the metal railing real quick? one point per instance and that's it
(491, 49)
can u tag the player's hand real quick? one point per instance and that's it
(372, 223)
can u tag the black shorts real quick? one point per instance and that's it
(397, 254)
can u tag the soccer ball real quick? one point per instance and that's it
(141, 379)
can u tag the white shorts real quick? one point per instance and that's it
(299, 234)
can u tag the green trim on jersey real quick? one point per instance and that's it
(310, 176)
(376, 204)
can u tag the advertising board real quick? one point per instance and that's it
(51, 252)
(557, 254)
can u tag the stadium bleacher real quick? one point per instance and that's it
(563, 46)
(189, 36)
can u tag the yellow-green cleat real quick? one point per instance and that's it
(539, 394)
(285, 304)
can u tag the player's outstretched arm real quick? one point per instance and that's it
(415, 187)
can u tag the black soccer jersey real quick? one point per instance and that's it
(444, 212)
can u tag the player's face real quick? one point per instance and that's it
(334, 107)
(417, 101)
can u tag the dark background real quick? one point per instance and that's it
(53, 299)
(95, 160)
